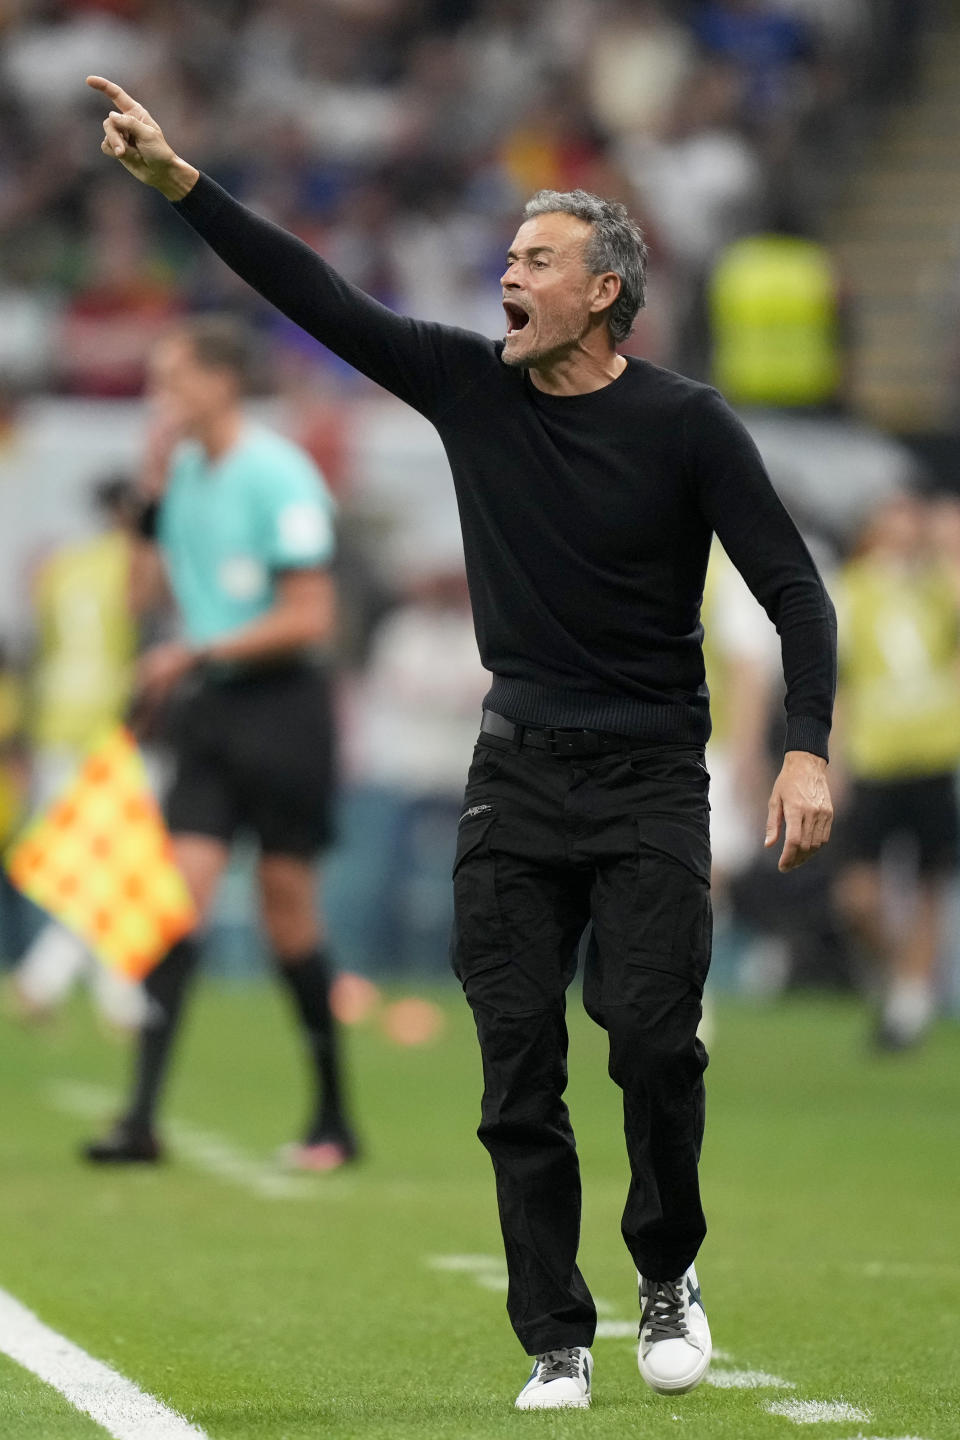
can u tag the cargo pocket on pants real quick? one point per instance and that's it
(670, 924)
(478, 944)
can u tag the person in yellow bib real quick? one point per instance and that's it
(775, 320)
(86, 615)
(900, 725)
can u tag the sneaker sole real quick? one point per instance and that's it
(681, 1385)
(95, 1159)
(583, 1404)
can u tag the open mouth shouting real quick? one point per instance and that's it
(517, 317)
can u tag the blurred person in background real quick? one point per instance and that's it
(245, 528)
(638, 59)
(775, 317)
(416, 718)
(899, 727)
(741, 660)
(944, 529)
(701, 177)
(88, 601)
(14, 790)
(587, 797)
(123, 298)
(771, 43)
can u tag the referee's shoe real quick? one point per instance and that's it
(126, 1144)
(675, 1346)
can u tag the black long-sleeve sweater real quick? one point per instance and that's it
(587, 519)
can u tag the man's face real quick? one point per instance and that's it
(187, 394)
(548, 292)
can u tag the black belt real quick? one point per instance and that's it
(554, 741)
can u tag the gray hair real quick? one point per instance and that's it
(617, 244)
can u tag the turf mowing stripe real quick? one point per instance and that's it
(124, 1410)
(816, 1412)
(202, 1148)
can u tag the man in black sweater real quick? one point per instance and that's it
(589, 487)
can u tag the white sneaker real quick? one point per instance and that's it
(675, 1346)
(560, 1379)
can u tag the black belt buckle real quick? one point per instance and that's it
(571, 742)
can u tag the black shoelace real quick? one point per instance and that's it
(663, 1316)
(558, 1365)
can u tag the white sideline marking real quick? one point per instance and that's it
(816, 1412)
(487, 1271)
(492, 1281)
(490, 1273)
(124, 1410)
(747, 1380)
(204, 1149)
(468, 1263)
(895, 1270)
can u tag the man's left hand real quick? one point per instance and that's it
(162, 668)
(800, 804)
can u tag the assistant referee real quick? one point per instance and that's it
(245, 529)
(589, 486)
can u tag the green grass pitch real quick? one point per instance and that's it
(831, 1178)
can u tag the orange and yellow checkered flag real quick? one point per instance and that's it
(100, 861)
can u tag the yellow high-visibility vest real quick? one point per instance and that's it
(899, 669)
(83, 673)
(773, 312)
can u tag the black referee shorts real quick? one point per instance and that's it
(255, 753)
(920, 811)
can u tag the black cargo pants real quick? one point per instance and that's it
(545, 846)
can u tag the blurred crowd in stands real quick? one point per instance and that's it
(401, 138)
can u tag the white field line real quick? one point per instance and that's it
(490, 1273)
(816, 1412)
(204, 1149)
(900, 1270)
(487, 1271)
(747, 1380)
(124, 1410)
(468, 1264)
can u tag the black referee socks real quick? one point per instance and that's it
(308, 979)
(165, 989)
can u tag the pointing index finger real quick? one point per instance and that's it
(120, 98)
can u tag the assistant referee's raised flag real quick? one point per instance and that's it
(100, 861)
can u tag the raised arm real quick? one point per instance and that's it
(428, 366)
